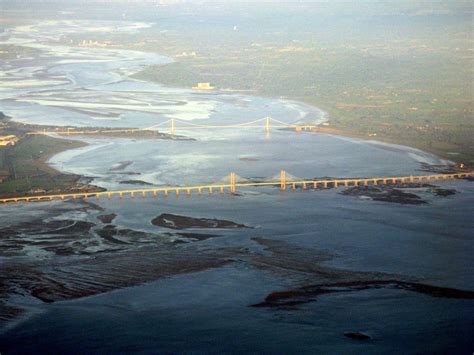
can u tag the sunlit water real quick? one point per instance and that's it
(208, 311)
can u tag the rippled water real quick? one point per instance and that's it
(208, 310)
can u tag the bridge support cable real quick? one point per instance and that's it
(154, 127)
(172, 125)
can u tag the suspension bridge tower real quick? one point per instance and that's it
(173, 126)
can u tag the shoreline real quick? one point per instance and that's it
(331, 130)
(352, 134)
(138, 76)
(76, 183)
(29, 157)
(72, 182)
(334, 130)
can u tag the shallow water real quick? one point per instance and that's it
(208, 311)
(175, 315)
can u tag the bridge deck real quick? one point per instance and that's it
(172, 126)
(232, 186)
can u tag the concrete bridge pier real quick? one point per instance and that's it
(315, 185)
(375, 182)
(325, 184)
(154, 194)
(412, 179)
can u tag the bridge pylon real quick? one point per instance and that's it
(173, 126)
(232, 183)
(283, 180)
(267, 124)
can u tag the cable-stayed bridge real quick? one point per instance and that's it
(230, 184)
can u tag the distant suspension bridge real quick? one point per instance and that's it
(173, 125)
(230, 184)
(233, 181)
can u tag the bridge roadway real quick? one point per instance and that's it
(171, 126)
(233, 185)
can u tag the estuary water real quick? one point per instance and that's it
(208, 310)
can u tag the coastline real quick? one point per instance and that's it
(44, 147)
(26, 169)
(218, 273)
(352, 134)
(333, 129)
(432, 129)
(458, 157)
(71, 183)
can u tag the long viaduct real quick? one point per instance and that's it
(232, 185)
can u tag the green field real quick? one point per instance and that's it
(400, 73)
(13, 52)
(24, 167)
(413, 92)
